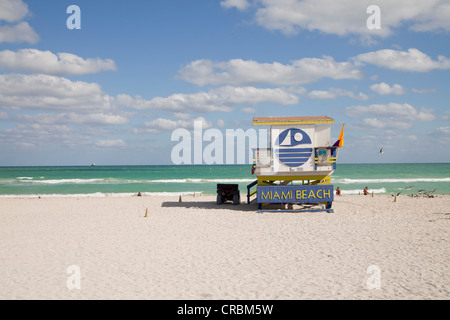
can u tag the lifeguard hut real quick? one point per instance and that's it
(297, 167)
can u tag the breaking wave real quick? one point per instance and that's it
(358, 191)
(100, 195)
(29, 180)
(389, 180)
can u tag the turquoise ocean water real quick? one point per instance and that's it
(174, 180)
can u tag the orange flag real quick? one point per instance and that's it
(340, 141)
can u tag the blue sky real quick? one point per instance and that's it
(113, 91)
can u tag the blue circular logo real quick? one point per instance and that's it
(290, 151)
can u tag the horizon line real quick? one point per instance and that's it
(181, 165)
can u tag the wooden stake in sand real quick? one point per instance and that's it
(146, 213)
(372, 194)
(395, 198)
(179, 199)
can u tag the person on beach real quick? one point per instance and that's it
(338, 191)
(139, 194)
(366, 191)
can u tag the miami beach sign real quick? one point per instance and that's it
(295, 193)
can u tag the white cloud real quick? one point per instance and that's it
(46, 62)
(375, 123)
(446, 116)
(411, 60)
(178, 102)
(444, 130)
(167, 124)
(384, 89)
(13, 10)
(238, 4)
(218, 99)
(21, 32)
(440, 136)
(182, 115)
(391, 115)
(44, 92)
(424, 90)
(349, 16)
(249, 110)
(73, 118)
(433, 18)
(254, 96)
(334, 93)
(3, 115)
(291, 16)
(321, 94)
(68, 104)
(162, 124)
(31, 135)
(297, 90)
(60, 105)
(238, 72)
(110, 143)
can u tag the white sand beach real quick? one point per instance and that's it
(198, 250)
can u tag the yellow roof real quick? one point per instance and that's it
(292, 120)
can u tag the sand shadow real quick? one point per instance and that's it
(446, 214)
(211, 205)
(243, 207)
